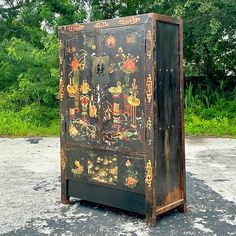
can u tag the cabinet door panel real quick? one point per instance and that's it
(82, 123)
(104, 75)
(123, 98)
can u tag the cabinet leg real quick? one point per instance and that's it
(65, 199)
(151, 220)
(183, 208)
(64, 193)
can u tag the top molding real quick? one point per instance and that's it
(118, 22)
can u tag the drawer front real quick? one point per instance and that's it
(106, 168)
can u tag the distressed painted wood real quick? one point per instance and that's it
(122, 137)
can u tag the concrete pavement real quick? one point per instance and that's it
(30, 194)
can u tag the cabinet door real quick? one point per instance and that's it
(81, 101)
(123, 95)
(105, 88)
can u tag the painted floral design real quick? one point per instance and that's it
(129, 65)
(79, 169)
(74, 65)
(131, 39)
(78, 62)
(131, 181)
(131, 178)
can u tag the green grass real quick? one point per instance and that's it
(217, 120)
(12, 124)
(219, 127)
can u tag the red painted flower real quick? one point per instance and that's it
(130, 181)
(130, 39)
(84, 101)
(129, 65)
(74, 65)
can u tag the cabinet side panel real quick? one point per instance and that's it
(168, 169)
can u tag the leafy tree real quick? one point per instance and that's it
(209, 30)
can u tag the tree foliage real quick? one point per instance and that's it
(29, 48)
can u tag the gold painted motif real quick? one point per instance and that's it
(72, 113)
(115, 91)
(149, 126)
(72, 130)
(63, 160)
(60, 48)
(134, 102)
(116, 113)
(148, 45)
(75, 27)
(60, 44)
(62, 86)
(149, 88)
(79, 169)
(72, 88)
(92, 108)
(148, 177)
(103, 170)
(101, 24)
(111, 41)
(84, 87)
(129, 20)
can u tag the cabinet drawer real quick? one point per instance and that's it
(106, 168)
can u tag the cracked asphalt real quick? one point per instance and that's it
(30, 194)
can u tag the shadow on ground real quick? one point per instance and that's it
(208, 214)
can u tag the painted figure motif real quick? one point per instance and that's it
(103, 170)
(78, 169)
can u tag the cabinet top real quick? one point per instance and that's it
(121, 21)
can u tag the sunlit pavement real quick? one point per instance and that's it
(30, 194)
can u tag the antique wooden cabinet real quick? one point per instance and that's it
(122, 139)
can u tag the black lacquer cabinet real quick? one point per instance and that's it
(122, 138)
